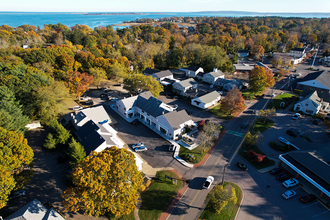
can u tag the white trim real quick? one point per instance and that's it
(304, 175)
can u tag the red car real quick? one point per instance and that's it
(307, 198)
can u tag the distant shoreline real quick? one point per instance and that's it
(126, 13)
(136, 24)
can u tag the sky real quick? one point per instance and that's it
(165, 5)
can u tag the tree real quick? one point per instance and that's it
(209, 133)
(78, 82)
(138, 82)
(258, 51)
(221, 197)
(252, 139)
(233, 102)
(15, 154)
(60, 134)
(258, 79)
(264, 114)
(76, 151)
(107, 181)
(200, 125)
(11, 113)
(270, 78)
(50, 142)
(51, 100)
(99, 76)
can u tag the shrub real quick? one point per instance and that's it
(298, 91)
(50, 143)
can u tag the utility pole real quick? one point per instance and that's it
(223, 174)
(317, 50)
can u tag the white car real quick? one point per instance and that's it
(77, 108)
(288, 194)
(283, 140)
(296, 116)
(137, 145)
(85, 98)
(290, 182)
(208, 182)
(141, 148)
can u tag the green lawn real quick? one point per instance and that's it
(250, 95)
(229, 212)
(159, 195)
(198, 152)
(285, 97)
(215, 111)
(262, 125)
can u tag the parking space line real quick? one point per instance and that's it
(320, 213)
(310, 204)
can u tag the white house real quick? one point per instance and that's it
(211, 77)
(155, 114)
(207, 100)
(182, 86)
(94, 132)
(192, 71)
(160, 76)
(311, 104)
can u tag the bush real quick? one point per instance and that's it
(277, 146)
(257, 158)
(50, 143)
(298, 91)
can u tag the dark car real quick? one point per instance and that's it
(17, 194)
(62, 157)
(282, 176)
(282, 81)
(307, 198)
(244, 125)
(275, 171)
(296, 131)
(241, 166)
(292, 133)
(103, 95)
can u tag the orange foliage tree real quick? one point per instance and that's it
(233, 102)
(78, 82)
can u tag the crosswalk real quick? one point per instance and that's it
(235, 133)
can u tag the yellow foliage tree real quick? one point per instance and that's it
(104, 182)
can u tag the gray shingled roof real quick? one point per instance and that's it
(310, 162)
(188, 82)
(164, 73)
(322, 77)
(150, 106)
(209, 97)
(217, 73)
(150, 71)
(314, 97)
(175, 119)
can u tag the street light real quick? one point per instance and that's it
(224, 171)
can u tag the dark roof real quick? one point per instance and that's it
(150, 71)
(150, 106)
(164, 73)
(171, 81)
(312, 166)
(192, 68)
(322, 77)
(243, 51)
(200, 74)
(89, 137)
(298, 49)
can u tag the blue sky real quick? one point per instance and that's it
(165, 5)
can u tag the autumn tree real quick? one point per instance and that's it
(107, 181)
(99, 76)
(233, 102)
(270, 78)
(15, 154)
(139, 82)
(252, 139)
(258, 79)
(221, 196)
(78, 82)
(258, 51)
(51, 100)
(209, 134)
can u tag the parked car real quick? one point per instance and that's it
(208, 182)
(103, 95)
(282, 176)
(77, 108)
(171, 147)
(290, 182)
(141, 148)
(110, 98)
(175, 107)
(241, 166)
(17, 194)
(282, 81)
(137, 145)
(283, 140)
(295, 116)
(292, 133)
(289, 194)
(296, 131)
(244, 125)
(62, 157)
(307, 198)
(107, 90)
(85, 98)
(275, 171)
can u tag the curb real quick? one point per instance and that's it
(176, 199)
(211, 150)
(240, 204)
